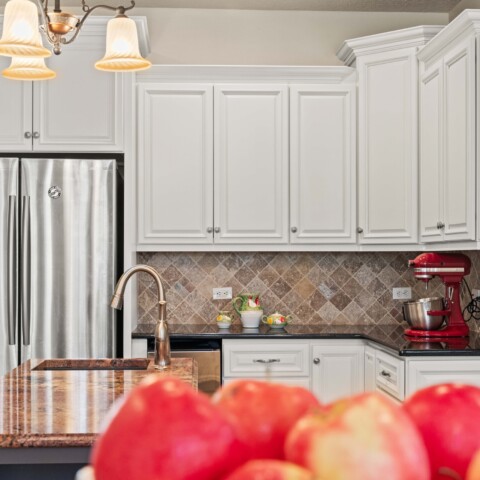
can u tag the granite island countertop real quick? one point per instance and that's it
(66, 408)
(390, 336)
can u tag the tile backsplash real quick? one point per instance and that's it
(316, 288)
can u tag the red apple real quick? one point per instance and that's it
(270, 470)
(164, 429)
(366, 437)
(448, 418)
(473, 471)
(262, 414)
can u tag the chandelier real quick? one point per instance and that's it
(21, 38)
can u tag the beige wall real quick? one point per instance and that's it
(195, 36)
(462, 6)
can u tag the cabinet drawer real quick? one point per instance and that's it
(390, 375)
(260, 359)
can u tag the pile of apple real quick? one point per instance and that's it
(254, 430)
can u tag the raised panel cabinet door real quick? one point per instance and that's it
(460, 142)
(251, 164)
(337, 371)
(421, 373)
(431, 153)
(388, 158)
(15, 112)
(175, 164)
(81, 110)
(322, 164)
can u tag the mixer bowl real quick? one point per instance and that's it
(415, 313)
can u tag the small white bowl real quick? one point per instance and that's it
(251, 318)
(224, 324)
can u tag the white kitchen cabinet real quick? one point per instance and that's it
(422, 373)
(331, 368)
(223, 159)
(369, 368)
(322, 164)
(175, 163)
(81, 110)
(251, 163)
(337, 369)
(259, 358)
(15, 112)
(448, 133)
(387, 133)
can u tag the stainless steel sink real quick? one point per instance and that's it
(93, 364)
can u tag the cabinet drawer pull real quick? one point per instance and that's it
(36, 134)
(294, 229)
(28, 135)
(209, 229)
(217, 229)
(316, 361)
(359, 230)
(440, 225)
(384, 373)
(270, 360)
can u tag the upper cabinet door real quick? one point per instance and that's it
(15, 113)
(322, 164)
(431, 138)
(81, 109)
(387, 144)
(251, 164)
(175, 164)
(459, 144)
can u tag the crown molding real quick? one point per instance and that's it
(247, 73)
(383, 42)
(467, 21)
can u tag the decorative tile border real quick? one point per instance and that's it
(316, 288)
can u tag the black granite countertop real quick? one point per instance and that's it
(390, 336)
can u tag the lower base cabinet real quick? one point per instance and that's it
(332, 369)
(337, 369)
(432, 371)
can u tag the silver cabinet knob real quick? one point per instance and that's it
(293, 229)
(36, 134)
(209, 229)
(27, 134)
(216, 229)
(440, 225)
(316, 361)
(359, 230)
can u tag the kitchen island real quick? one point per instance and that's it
(52, 411)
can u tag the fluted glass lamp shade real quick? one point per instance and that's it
(28, 68)
(21, 36)
(122, 52)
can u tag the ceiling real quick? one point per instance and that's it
(328, 5)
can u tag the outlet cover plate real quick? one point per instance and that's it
(224, 293)
(404, 293)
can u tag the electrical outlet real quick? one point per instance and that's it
(222, 293)
(476, 293)
(404, 293)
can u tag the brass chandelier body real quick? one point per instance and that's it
(21, 38)
(57, 24)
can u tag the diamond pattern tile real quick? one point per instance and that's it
(316, 288)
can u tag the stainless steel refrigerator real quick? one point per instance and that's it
(58, 258)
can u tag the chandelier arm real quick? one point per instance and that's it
(88, 10)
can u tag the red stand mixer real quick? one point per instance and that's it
(451, 268)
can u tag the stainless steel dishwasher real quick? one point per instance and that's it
(207, 353)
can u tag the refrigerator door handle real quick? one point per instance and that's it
(12, 269)
(26, 259)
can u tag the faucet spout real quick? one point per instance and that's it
(162, 338)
